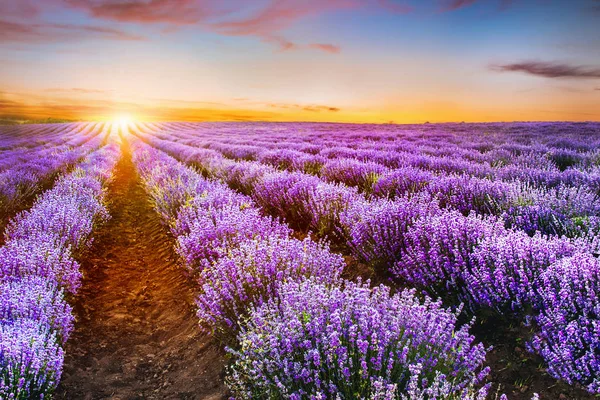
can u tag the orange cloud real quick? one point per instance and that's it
(75, 90)
(309, 107)
(320, 108)
(37, 106)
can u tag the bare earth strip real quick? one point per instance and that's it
(136, 335)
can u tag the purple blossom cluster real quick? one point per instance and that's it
(388, 344)
(437, 250)
(253, 273)
(323, 342)
(401, 182)
(24, 172)
(376, 231)
(481, 214)
(238, 255)
(470, 175)
(351, 172)
(569, 330)
(212, 231)
(37, 269)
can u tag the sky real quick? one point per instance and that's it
(376, 61)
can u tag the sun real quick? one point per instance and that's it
(124, 122)
(123, 119)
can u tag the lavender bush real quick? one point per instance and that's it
(438, 251)
(253, 273)
(36, 268)
(319, 341)
(569, 320)
(484, 214)
(212, 231)
(375, 231)
(31, 360)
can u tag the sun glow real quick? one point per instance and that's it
(123, 121)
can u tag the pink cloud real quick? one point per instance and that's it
(451, 5)
(395, 7)
(48, 32)
(266, 21)
(326, 47)
(178, 12)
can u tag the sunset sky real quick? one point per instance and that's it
(301, 60)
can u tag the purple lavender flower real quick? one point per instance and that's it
(505, 269)
(375, 231)
(253, 273)
(36, 266)
(438, 251)
(320, 341)
(39, 255)
(569, 329)
(213, 231)
(31, 360)
(38, 299)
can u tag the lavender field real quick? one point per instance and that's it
(300, 261)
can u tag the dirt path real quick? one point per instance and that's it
(136, 334)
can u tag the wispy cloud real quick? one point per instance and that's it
(268, 23)
(266, 20)
(75, 90)
(19, 9)
(396, 7)
(305, 107)
(21, 32)
(178, 12)
(320, 108)
(452, 5)
(326, 47)
(549, 69)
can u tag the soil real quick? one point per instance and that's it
(518, 372)
(136, 335)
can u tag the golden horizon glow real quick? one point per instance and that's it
(310, 60)
(123, 119)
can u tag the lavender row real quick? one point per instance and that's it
(562, 210)
(38, 271)
(302, 200)
(532, 163)
(26, 137)
(470, 259)
(11, 157)
(72, 135)
(306, 202)
(249, 267)
(29, 172)
(490, 143)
